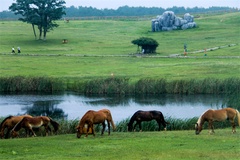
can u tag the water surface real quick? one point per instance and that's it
(72, 106)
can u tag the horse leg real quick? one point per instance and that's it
(140, 126)
(32, 132)
(104, 126)
(233, 126)
(210, 127)
(26, 132)
(7, 134)
(159, 125)
(88, 126)
(135, 126)
(92, 129)
(46, 130)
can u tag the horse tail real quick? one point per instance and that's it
(18, 126)
(54, 124)
(238, 116)
(111, 119)
(112, 123)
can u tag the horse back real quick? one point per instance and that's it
(231, 112)
(5, 121)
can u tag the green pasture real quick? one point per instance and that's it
(126, 145)
(102, 48)
(113, 37)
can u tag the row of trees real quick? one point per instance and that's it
(125, 11)
(136, 11)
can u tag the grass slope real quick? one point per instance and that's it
(136, 145)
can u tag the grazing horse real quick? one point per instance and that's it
(35, 122)
(9, 122)
(217, 115)
(95, 117)
(140, 116)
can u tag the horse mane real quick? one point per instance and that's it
(82, 120)
(132, 119)
(9, 117)
(200, 119)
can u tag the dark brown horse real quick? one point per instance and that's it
(35, 122)
(8, 123)
(140, 116)
(95, 117)
(217, 115)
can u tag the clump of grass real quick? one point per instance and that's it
(107, 86)
(30, 84)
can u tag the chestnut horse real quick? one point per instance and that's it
(140, 116)
(9, 122)
(35, 122)
(95, 117)
(217, 115)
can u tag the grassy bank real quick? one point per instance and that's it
(121, 86)
(139, 145)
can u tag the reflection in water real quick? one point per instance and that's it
(72, 106)
(45, 108)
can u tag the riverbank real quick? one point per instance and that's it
(120, 86)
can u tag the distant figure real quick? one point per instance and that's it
(185, 49)
(13, 50)
(143, 51)
(19, 50)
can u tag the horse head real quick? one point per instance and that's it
(14, 134)
(198, 129)
(1, 134)
(129, 127)
(79, 131)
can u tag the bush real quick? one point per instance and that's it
(149, 45)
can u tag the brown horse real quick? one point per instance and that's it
(95, 117)
(217, 115)
(35, 122)
(9, 122)
(140, 116)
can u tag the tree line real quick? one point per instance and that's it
(81, 11)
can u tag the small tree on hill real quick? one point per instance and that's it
(40, 13)
(148, 45)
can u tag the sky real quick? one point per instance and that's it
(114, 4)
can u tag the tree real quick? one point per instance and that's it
(148, 45)
(40, 13)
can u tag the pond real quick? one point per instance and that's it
(72, 106)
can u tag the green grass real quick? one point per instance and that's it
(110, 37)
(135, 145)
(102, 47)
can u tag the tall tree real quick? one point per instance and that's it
(40, 13)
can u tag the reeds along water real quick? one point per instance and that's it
(121, 86)
(30, 84)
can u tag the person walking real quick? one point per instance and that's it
(13, 50)
(19, 49)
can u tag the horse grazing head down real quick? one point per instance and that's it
(198, 128)
(129, 127)
(14, 134)
(94, 117)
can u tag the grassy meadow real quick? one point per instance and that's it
(98, 57)
(102, 49)
(126, 145)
